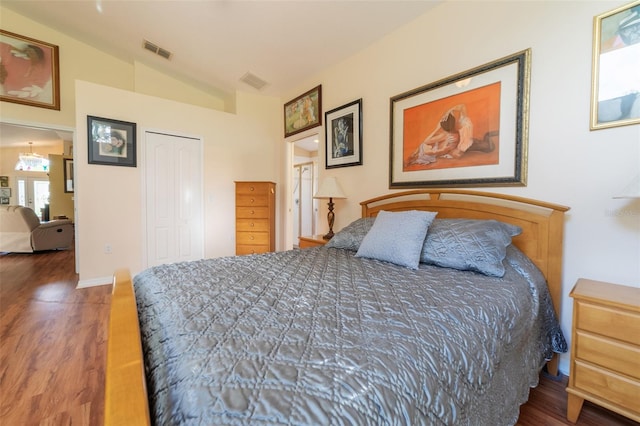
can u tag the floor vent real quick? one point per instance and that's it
(156, 49)
(253, 81)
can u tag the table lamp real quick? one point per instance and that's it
(330, 188)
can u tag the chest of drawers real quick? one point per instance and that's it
(605, 348)
(255, 217)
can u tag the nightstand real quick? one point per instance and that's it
(605, 348)
(311, 241)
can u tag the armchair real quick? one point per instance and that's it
(22, 232)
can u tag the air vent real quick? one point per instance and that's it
(253, 81)
(156, 49)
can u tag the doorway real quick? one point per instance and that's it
(34, 193)
(305, 209)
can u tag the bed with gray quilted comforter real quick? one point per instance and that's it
(321, 337)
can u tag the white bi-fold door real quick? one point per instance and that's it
(174, 208)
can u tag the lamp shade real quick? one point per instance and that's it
(330, 188)
(632, 190)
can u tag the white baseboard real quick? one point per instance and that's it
(94, 282)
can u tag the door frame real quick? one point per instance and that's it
(72, 131)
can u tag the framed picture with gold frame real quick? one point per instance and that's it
(29, 71)
(615, 92)
(304, 112)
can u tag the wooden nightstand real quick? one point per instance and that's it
(311, 241)
(605, 348)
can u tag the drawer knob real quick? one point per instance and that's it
(251, 188)
(253, 201)
(252, 212)
(251, 238)
(251, 224)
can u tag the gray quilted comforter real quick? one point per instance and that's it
(320, 337)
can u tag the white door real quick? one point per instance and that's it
(174, 215)
(33, 193)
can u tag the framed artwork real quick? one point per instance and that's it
(68, 175)
(111, 142)
(29, 71)
(5, 192)
(4, 181)
(470, 129)
(4, 200)
(615, 92)
(343, 131)
(303, 112)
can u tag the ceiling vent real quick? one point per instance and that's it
(253, 81)
(156, 49)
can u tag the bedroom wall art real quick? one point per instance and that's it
(470, 129)
(68, 175)
(111, 142)
(29, 71)
(343, 135)
(615, 92)
(303, 112)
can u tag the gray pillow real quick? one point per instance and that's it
(352, 235)
(469, 245)
(397, 237)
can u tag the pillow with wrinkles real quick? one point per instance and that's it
(350, 237)
(469, 245)
(397, 237)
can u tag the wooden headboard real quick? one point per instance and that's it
(542, 224)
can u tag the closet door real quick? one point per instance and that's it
(174, 217)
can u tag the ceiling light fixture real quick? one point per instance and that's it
(32, 162)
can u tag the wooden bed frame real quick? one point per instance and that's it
(542, 226)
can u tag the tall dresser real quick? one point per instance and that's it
(255, 217)
(605, 348)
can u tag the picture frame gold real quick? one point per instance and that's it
(303, 112)
(615, 89)
(469, 129)
(29, 71)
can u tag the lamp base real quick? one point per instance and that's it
(328, 236)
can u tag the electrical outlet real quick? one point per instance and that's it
(107, 249)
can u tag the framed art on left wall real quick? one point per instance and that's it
(29, 71)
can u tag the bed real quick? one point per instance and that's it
(342, 334)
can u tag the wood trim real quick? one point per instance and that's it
(126, 399)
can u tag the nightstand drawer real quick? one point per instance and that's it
(611, 354)
(615, 389)
(619, 324)
(260, 225)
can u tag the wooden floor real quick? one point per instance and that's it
(53, 346)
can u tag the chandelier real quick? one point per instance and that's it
(32, 162)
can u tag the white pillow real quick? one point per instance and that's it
(397, 237)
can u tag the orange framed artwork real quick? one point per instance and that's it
(470, 129)
(29, 71)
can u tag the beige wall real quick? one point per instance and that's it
(110, 207)
(568, 164)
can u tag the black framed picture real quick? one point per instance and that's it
(343, 130)
(111, 142)
(68, 175)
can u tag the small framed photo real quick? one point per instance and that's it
(5, 192)
(30, 71)
(68, 175)
(343, 130)
(4, 200)
(4, 181)
(615, 93)
(303, 112)
(111, 142)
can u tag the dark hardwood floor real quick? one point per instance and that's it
(53, 345)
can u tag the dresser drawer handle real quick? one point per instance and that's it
(251, 238)
(251, 224)
(253, 212)
(253, 201)
(251, 188)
